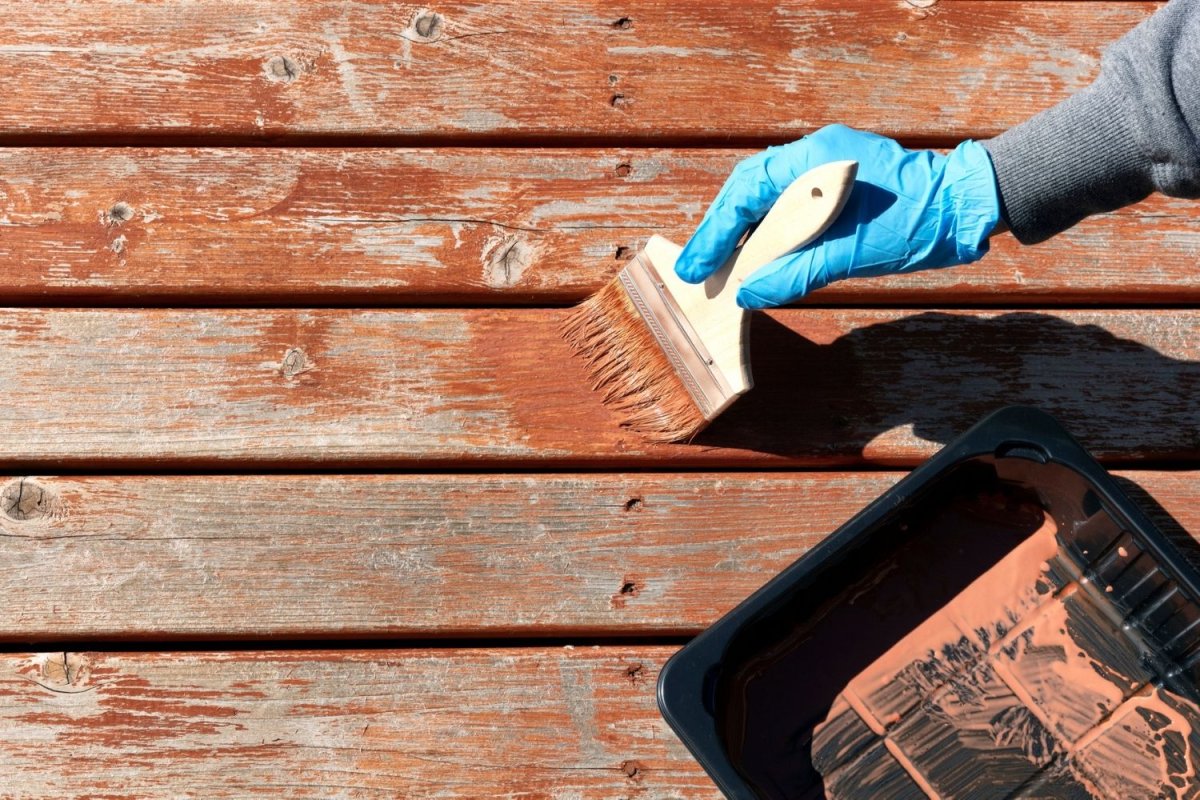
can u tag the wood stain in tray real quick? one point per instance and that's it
(1007, 627)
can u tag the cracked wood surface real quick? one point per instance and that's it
(460, 388)
(540, 69)
(370, 556)
(468, 226)
(534, 722)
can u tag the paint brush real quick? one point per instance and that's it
(669, 356)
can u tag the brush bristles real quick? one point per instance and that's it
(630, 369)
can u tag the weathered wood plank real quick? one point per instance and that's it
(369, 556)
(188, 388)
(468, 226)
(531, 723)
(544, 69)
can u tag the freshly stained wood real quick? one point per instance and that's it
(187, 388)
(647, 70)
(320, 226)
(105, 558)
(536, 722)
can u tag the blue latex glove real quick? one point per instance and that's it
(908, 210)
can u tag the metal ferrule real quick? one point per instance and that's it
(676, 336)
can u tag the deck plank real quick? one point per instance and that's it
(533, 722)
(369, 556)
(260, 558)
(652, 70)
(183, 388)
(107, 558)
(466, 226)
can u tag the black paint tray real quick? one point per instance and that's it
(1004, 622)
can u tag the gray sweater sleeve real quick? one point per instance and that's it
(1134, 131)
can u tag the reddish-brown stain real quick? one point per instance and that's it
(607, 117)
(453, 388)
(403, 226)
(540, 69)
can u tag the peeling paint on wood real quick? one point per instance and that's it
(476, 226)
(461, 387)
(537, 722)
(376, 556)
(463, 553)
(422, 555)
(251, 69)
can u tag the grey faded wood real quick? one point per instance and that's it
(540, 722)
(424, 555)
(460, 388)
(539, 70)
(278, 557)
(286, 226)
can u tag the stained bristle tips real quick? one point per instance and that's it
(630, 369)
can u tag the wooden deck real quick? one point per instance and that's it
(302, 495)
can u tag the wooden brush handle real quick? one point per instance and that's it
(717, 329)
(803, 212)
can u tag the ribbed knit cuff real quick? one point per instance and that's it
(1078, 158)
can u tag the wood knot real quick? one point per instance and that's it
(623, 169)
(633, 770)
(24, 500)
(295, 361)
(634, 504)
(623, 253)
(120, 213)
(65, 673)
(636, 673)
(622, 24)
(505, 259)
(281, 69)
(426, 26)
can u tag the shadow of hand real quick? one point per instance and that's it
(883, 391)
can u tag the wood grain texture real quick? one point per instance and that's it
(370, 556)
(548, 723)
(253, 69)
(454, 388)
(106, 558)
(500, 227)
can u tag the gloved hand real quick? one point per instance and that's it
(908, 210)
